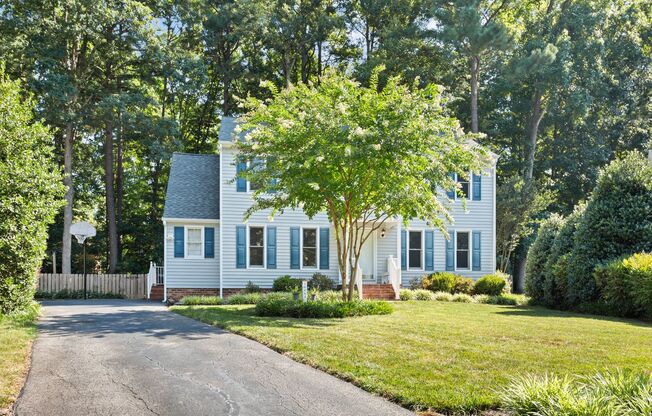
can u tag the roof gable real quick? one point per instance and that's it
(193, 190)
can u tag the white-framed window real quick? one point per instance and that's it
(194, 242)
(415, 249)
(462, 250)
(253, 186)
(465, 186)
(256, 244)
(309, 247)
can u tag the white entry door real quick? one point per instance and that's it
(367, 259)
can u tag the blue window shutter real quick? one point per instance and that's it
(450, 252)
(209, 242)
(403, 250)
(271, 247)
(451, 193)
(241, 246)
(477, 187)
(294, 248)
(179, 247)
(476, 251)
(323, 248)
(430, 250)
(241, 183)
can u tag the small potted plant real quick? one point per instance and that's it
(295, 293)
(313, 294)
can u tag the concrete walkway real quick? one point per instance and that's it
(135, 358)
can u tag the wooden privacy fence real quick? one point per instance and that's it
(131, 286)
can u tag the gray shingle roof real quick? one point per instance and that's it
(227, 128)
(193, 187)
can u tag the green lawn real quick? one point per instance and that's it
(16, 336)
(442, 355)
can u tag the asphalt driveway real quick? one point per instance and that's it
(115, 357)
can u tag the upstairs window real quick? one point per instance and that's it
(255, 165)
(256, 246)
(462, 251)
(309, 247)
(464, 187)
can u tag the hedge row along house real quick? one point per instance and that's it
(210, 250)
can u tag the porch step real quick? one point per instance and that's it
(156, 293)
(374, 291)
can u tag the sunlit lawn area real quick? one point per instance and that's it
(442, 355)
(16, 335)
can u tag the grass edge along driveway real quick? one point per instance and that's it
(444, 356)
(17, 334)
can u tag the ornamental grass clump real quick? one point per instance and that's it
(442, 296)
(406, 294)
(201, 300)
(423, 294)
(462, 298)
(318, 309)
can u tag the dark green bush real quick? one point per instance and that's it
(535, 268)
(439, 282)
(286, 284)
(321, 282)
(75, 294)
(463, 285)
(251, 288)
(316, 309)
(617, 222)
(491, 284)
(31, 193)
(626, 285)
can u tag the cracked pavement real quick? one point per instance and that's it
(117, 357)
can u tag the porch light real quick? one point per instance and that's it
(382, 233)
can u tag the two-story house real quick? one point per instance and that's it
(210, 250)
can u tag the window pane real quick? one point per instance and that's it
(415, 239)
(255, 165)
(310, 257)
(256, 236)
(415, 258)
(462, 259)
(194, 235)
(256, 256)
(462, 241)
(194, 249)
(310, 238)
(464, 186)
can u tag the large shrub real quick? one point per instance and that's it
(555, 275)
(286, 284)
(439, 282)
(321, 282)
(626, 285)
(463, 285)
(535, 268)
(617, 221)
(31, 193)
(491, 284)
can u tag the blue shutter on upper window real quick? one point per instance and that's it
(451, 192)
(450, 252)
(271, 247)
(241, 183)
(403, 250)
(324, 248)
(430, 250)
(294, 248)
(240, 247)
(209, 242)
(476, 261)
(477, 187)
(178, 242)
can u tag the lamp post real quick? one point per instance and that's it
(82, 231)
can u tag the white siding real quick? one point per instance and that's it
(191, 273)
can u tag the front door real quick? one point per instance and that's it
(367, 259)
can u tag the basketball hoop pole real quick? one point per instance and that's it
(85, 296)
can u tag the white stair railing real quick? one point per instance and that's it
(394, 275)
(151, 278)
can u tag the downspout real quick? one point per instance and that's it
(493, 225)
(165, 262)
(221, 224)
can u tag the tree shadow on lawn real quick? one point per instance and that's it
(541, 312)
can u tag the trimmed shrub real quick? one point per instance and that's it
(251, 288)
(626, 285)
(423, 294)
(462, 297)
(616, 222)
(76, 294)
(537, 256)
(286, 284)
(321, 282)
(406, 294)
(442, 296)
(201, 300)
(317, 309)
(439, 282)
(608, 393)
(463, 285)
(504, 299)
(491, 284)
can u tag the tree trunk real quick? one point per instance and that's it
(305, 65)
(70, 193)
(319, 58)
(475, 69)
(119, 185)
(535, 120)
(110, 198)
(287, 68)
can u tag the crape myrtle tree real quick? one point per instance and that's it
(363, 155)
